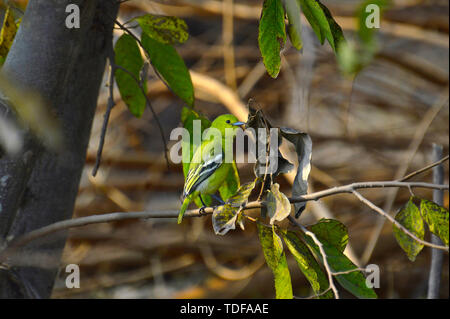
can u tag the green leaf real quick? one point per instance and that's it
(128, 56)
(311, 19)
(331, 231)
(437, 219)
(278, 205)
(167, 62)
(7, 34)
(168, 30)
(225, 216)
(276, 259)
(295, 24)
(272, 35)
(303, 148)
(308, 265)
(231, 183)
(322, 23)
(317, 15)
(354, 281)
(409, 217)
(240, 198)
(336, 30)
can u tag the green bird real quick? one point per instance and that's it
(208, 170)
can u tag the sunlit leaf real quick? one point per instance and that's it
(272, 35)
(336, 30)
(331, 231)
(165, 29)
(171, 67)
(409, 217)
(303, 148)
(437, 219)
(322, 22)
(128, 56)
(305, 8)
(278, 205)
(225, 216)
(240, 198)
(308, 265)
(276, 260)
(316, 16)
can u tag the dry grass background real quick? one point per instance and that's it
(361, 131)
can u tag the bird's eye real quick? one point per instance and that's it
(228, 121)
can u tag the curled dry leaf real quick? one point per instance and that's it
(278, 205)
(303, 148)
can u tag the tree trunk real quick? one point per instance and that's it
(39, 187)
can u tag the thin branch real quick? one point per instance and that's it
(149, 104)
(121, 26)
(111, 104)
(322, 252)
(316, 295)
(396, 223)
(426, 168)
(103, 218)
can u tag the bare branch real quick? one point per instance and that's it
(111, 104)
(396, 223)
(322, 252)
(426, 168)
(103, 218)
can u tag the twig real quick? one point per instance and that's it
(426, 168)
(103, 218)
(437, 257)
(396, 223)
(149, 104)
(315, 296)
(109, 107)
(402, 169)
(322, 252)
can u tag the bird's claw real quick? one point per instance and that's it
(202, 210)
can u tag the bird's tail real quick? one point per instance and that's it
(185, 205)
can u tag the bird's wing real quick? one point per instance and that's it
(201, 171)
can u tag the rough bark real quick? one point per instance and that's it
(40, 186)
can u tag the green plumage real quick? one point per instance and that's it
(208, 170)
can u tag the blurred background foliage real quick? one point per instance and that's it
(363, 127)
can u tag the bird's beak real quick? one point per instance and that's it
(238, 123)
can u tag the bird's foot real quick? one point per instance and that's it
(202, 210)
